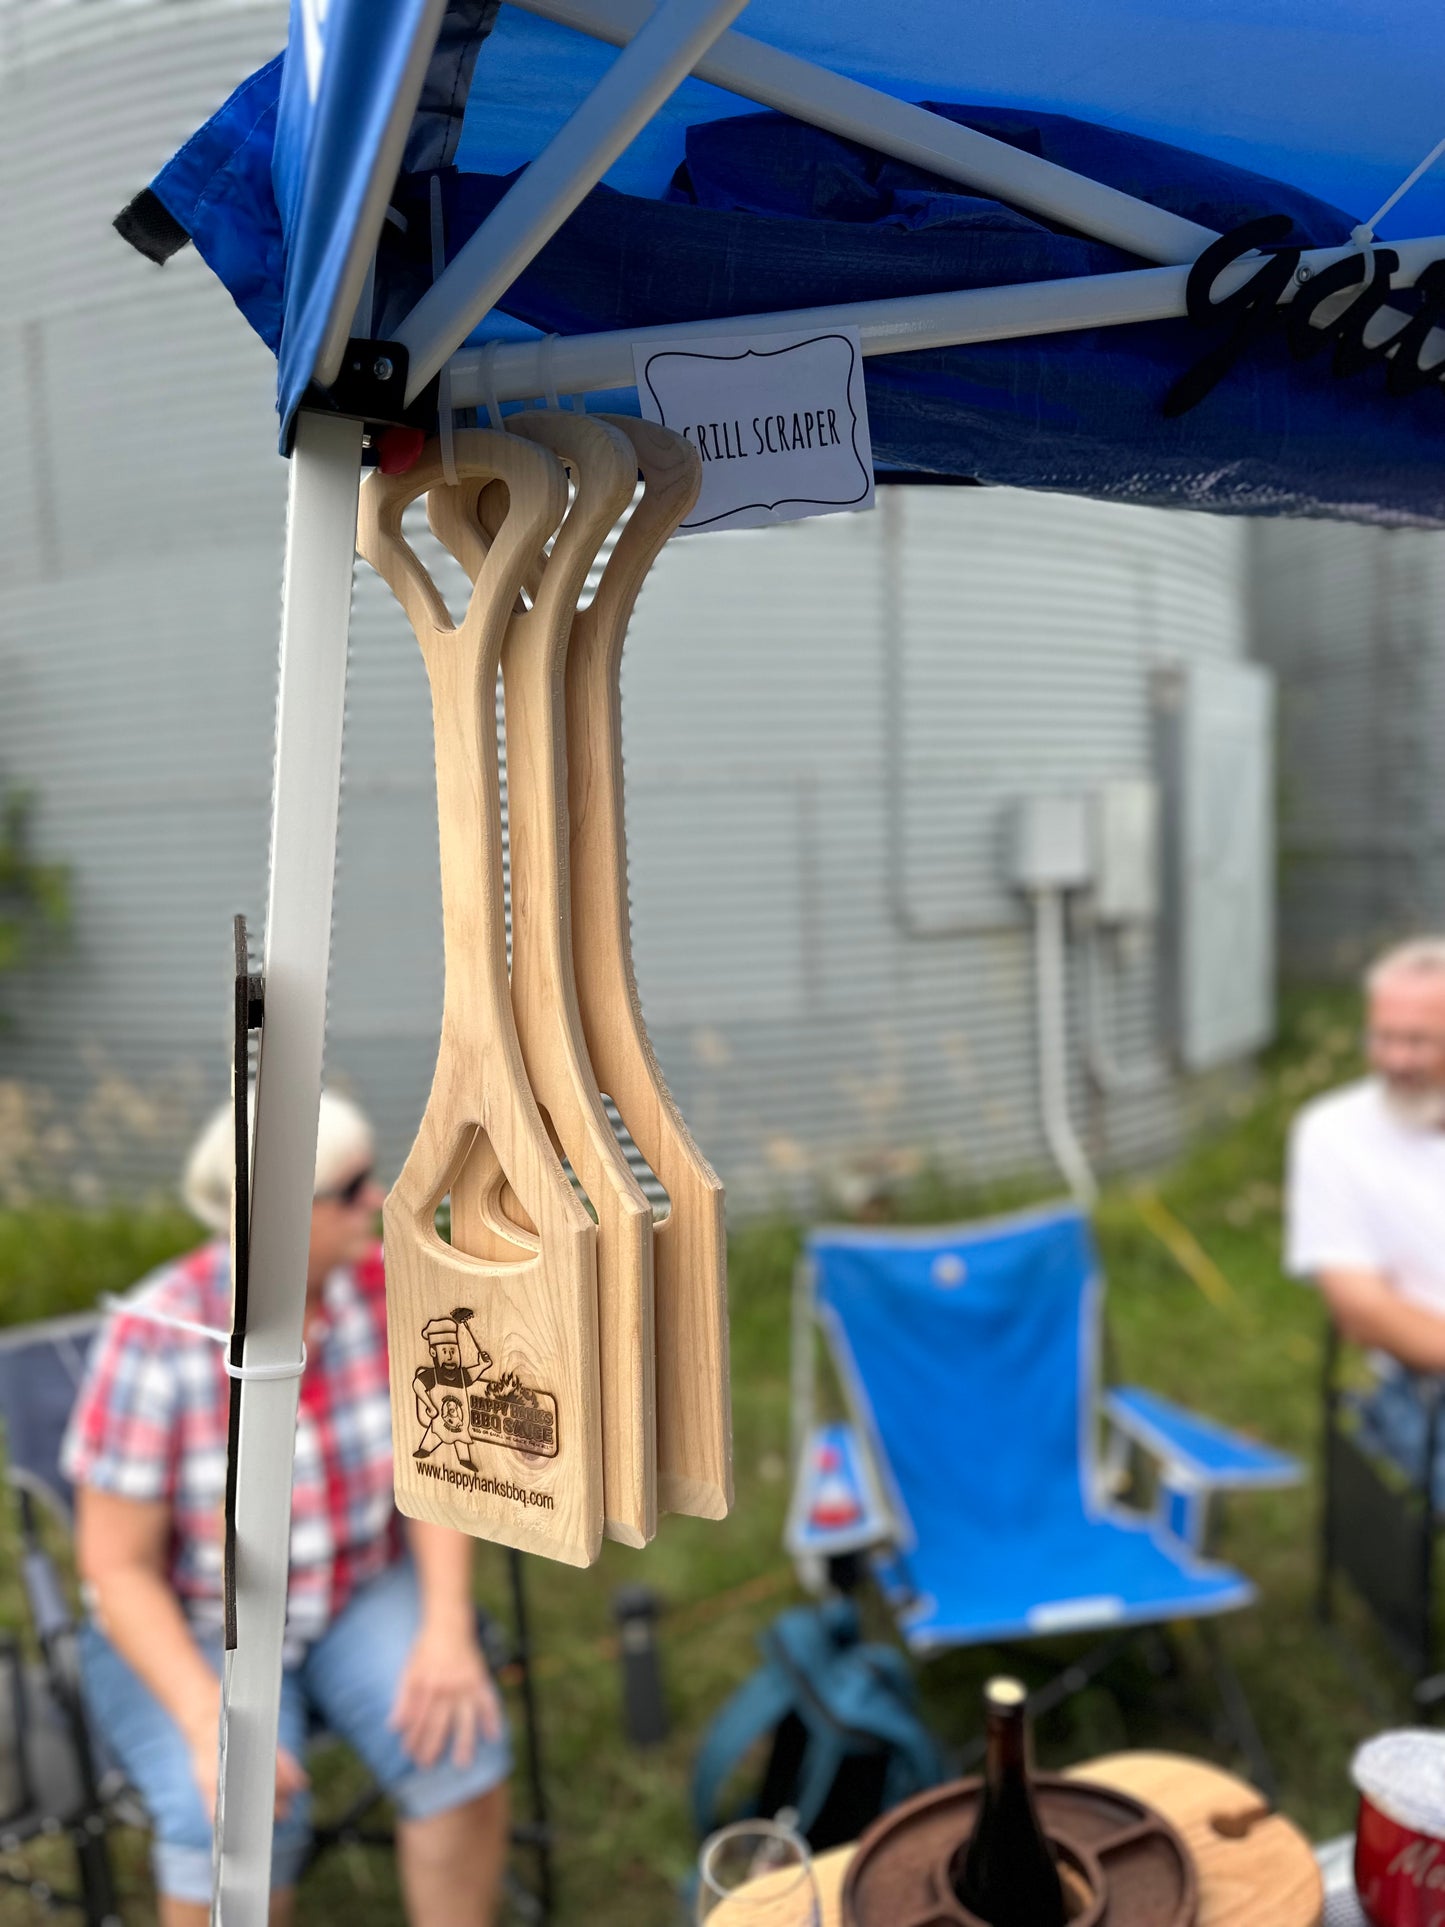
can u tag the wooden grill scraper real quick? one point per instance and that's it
(694, 1407)
(694, 1416)
(544, 992)
(493, 1338)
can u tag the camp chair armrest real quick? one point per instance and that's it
(45, 1592)
(1197, 1459)
(838, 1505)
(45, 1595)
(1199, 1450)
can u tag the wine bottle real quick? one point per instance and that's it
(1008, 1875)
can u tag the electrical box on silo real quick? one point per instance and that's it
(1126, 856)
(1049, 843)
(1215, 734)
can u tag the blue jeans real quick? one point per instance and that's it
(1394, 1422)
(346, 1682)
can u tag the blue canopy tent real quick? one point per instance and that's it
(1007, 204)
(716, 211)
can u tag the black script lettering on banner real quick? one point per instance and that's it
(1256, 307)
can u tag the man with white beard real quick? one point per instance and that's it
(1366, 1194)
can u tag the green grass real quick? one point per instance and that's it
(1223, 1331)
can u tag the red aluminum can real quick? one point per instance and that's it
(1400, 1839)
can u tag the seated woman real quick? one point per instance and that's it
(381, 1636)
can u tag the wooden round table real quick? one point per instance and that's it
(1254, 1867)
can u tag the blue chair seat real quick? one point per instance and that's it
(1080, 1575)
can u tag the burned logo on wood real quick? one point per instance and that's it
(459, 1406)
(1257, 305)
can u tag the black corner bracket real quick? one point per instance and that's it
(370, 386)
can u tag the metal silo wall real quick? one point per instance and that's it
(1352, 620)
(141, 512)
(812, 1028)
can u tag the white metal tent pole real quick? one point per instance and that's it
(315, 619)
(539, 201)
(793, 86)
(579, 364)
(361, 247)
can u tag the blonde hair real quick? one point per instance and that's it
(1420, 957)
(344, 1146)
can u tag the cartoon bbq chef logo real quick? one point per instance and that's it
(458, 1406)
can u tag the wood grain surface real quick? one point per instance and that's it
(1265, 1877)
(544, 989)
(501, 1433)
(694, 1404)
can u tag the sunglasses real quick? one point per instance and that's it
(350, 1192)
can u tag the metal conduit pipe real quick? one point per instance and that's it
(1068, 1153)
(1115, 1079)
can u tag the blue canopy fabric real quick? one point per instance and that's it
(970, 1354)
(1220, 114)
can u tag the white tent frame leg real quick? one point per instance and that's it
(579, 364)
(310, 703)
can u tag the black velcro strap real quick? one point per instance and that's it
(149, 226)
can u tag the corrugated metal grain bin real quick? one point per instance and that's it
(829, 729)
(1352, 621)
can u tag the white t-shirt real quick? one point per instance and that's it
(1367, 1193)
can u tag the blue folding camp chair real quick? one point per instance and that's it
(53, 1776)
(969, 1356)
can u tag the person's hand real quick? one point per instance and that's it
(202, 1731)
(445, 1695)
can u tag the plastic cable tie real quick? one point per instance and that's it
(121, 1308)
(487, 371)
(549, 378)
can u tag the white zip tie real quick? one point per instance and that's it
(486, 371)
(122, 1308)
(444, 381)
(1364, 235)
(549, 379)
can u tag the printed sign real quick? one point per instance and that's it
(458, 1406)
(780, 422)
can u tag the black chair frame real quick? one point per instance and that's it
(51, 1696)
(1379, 1526)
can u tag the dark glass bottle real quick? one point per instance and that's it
(1007, 1874)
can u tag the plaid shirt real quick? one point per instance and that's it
(150, 1423)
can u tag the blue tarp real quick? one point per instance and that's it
(720, 210)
